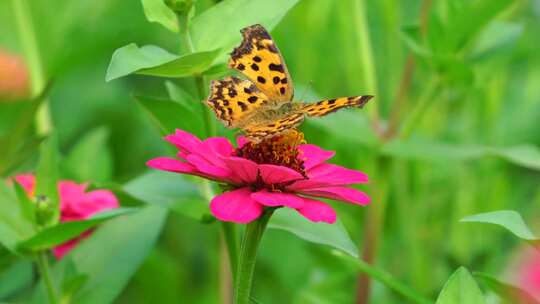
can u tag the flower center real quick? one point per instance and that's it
(281, 150)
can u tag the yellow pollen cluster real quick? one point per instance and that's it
(279, 150)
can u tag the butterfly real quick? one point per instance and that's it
(261, 106)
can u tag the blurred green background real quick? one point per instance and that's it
(453, 131)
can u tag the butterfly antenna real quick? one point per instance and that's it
(306, 89)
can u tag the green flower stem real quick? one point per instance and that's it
(231, 241)
(43, 267)
(201, 91)
(30, 48)
(366, 56)
(187, 47)
(248, 255)
(385, 278)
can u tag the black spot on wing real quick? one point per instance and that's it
(242, 106)
(276, 67)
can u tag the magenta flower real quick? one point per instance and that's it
(278, 172)
(75, 205)
(528, 271)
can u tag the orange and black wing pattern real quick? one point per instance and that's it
(234, 100)
(328, 106)
(259, 59)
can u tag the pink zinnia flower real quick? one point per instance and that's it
(75, 205)
(528, 272)
(278, 172)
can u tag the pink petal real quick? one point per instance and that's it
(218, 145)
(171, 164)
(245, 169)
(274, 199)
(325, 175)
(316, 211)
(272, 174)
(236, 206)
(174, 165)
(182, 154)
(184, 141)
(71, 194)
(207, 167)
(214, 149)
(97, 201)
(28, 182)
(241, 141)
(349, 195)
(313, 155)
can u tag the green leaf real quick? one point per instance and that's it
(110, 256)
(411, 37)
(497, 37)
(158, 11)
(56, 235)
(130, 59)
(155, 61)
(506, 291)
(209, 31)
(463, 27)
(14, 278)
(71, 285)
(170, 190)
(181, 96)
(527, 156)
(461, 288)
(434, 151)
(47, 178)
(183, 66)
(168, 115)
(28, 208)
(333, 235)
(508, 219)
(14, 224)
(90, 159)
(13, 146)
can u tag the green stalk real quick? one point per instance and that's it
(187, 47)
(366, 55)
(248, 256)
(28, 41)
(373, 226)
(208, 121)
(231, 241)
(43, 267)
